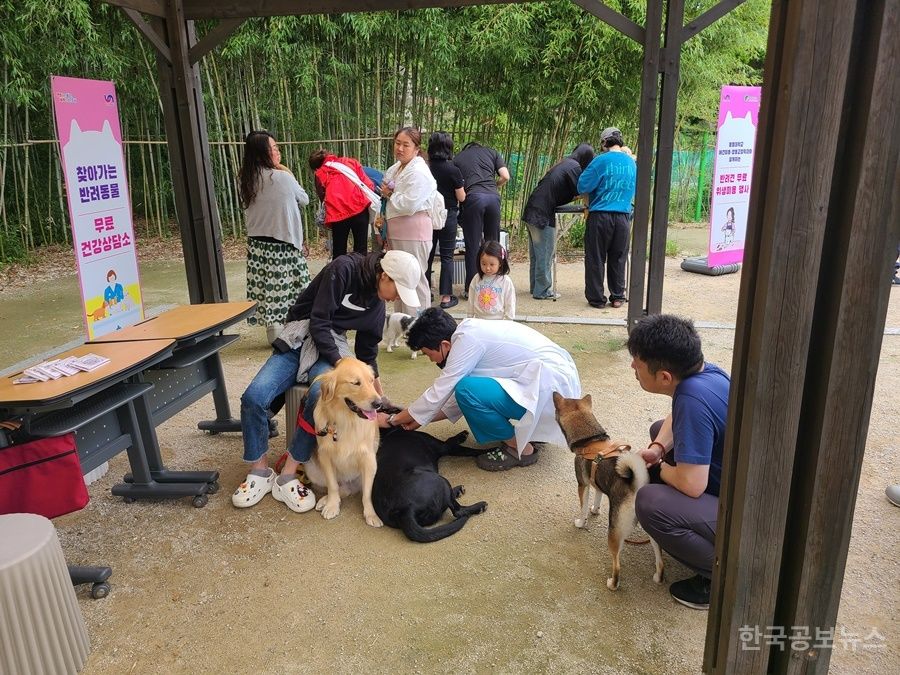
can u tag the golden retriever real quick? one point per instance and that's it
(345, 418)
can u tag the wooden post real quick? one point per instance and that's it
(192, 178)
(823, 228)
(645, 152)
(670, 67)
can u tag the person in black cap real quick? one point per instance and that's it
(610, 182)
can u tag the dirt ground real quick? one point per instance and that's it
(519, 589)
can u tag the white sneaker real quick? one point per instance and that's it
(253, 489)
(295, 495)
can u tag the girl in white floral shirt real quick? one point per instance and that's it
(491, 293)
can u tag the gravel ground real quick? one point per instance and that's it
(518, 589)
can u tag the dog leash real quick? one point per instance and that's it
(308, 428)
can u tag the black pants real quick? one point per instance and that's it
(605, 246)
(480, 220)
(446, 240)
(340, 231)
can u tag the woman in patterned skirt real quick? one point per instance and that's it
(276, 262)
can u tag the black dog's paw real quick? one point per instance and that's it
(458, 491)
(389, 408)
(481, 506)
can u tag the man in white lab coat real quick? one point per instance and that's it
(500, 376)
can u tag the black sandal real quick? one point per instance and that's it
(499, 459)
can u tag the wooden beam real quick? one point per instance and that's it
(708, 17)
(612, 18)
(152, 7)
(645, 153)
(822, 230)
(243, 9)
(149, 32)
(213, 39)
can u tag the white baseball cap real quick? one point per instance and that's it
(405, 271)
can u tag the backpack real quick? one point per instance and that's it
(437, 211)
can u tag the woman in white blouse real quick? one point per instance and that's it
(276, 254)
(409, 188)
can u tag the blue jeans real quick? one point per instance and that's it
(541, 248)
(487, 408)
(278, 374)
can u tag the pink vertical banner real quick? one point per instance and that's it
(732, 171)
(90, 141)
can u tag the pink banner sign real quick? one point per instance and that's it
(90, 141)
(732, 171)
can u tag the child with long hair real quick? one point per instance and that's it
(491, 293)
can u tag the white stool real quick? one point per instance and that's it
(41, 627)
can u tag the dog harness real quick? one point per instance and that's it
(596, 451)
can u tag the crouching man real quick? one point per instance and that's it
(679, 507)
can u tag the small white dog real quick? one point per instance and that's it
(396, 326)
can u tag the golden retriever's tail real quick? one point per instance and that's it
(425, 535)
(632, 466)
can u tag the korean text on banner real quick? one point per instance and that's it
(90, 141)
(733, 169)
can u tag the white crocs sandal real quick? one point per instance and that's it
(253, 489)
(295, 495)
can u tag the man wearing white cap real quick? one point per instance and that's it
(610, 182)
(348, 294)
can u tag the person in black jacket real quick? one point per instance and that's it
(557, 187)
(348, 294)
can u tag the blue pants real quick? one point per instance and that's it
(487, 408)
(541, 247)
(278, 374)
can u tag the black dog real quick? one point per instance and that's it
(409, 493)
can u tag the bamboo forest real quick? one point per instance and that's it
(530, 79)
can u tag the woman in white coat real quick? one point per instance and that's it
(500, 376)
(409, 189)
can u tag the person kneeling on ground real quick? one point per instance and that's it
(493, 372)
(348, 294)
(678, 508)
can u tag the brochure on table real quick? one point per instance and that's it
(733, 169)
(90, 139)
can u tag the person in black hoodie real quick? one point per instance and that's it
(348, 294)
(557, 187)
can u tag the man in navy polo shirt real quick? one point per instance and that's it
(680, 505)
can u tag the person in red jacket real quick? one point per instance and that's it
(346, 207)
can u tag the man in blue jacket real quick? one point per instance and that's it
(609, 181)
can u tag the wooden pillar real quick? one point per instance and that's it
(192, 179)
(823, 227)
(670, 67)
(645, 153)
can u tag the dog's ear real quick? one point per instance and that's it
(587, 399)
(327, 382)
(557, 398)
